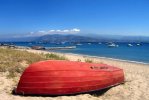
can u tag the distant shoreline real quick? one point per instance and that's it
(100, 57)
(85, 55)
(82, 56)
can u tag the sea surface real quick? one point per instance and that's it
(123, 51)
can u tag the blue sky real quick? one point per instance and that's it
(115, 17)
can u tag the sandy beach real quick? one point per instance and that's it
(136, 86)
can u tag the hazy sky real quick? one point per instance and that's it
(118, 17)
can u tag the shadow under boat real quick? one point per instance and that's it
(93, 93)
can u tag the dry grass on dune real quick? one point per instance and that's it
(15, 61)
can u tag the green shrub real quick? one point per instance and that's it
(88, 60)
(55, 57)
(79, 60)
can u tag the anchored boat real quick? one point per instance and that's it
(54, 77)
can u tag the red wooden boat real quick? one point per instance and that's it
(54, 77)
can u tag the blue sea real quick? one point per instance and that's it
(123, 51)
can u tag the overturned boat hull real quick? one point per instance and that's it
(54, 77)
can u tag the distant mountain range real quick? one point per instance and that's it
(66, 38)
(77, 38)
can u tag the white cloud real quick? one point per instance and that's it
(41, 31)
(31, 32)
(65, 30)
(52, 31)
(58, 31)
(75, 30)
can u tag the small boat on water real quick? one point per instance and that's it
(38, 47)
(78, 44)
(113, 45)
(60, 48)
(138, 44)
(29, 43)
(55, 77)
(130, 45)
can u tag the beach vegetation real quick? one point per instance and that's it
(79, 60)
(12, 61)
(53, 56)
(15, 61)
(89, 60)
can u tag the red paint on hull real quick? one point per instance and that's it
(67, 77)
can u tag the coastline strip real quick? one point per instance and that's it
(99, 57)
